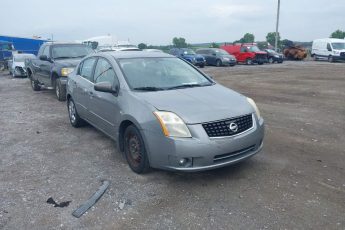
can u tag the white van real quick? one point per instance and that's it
(331, 49)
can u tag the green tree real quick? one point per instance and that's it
(142, 46)
(338, 34)
(271, 38)
(214, 45)
(179, 42)
(248, 38)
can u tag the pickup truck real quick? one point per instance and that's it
(52, 65)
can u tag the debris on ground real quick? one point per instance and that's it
(92, 200)
(60, 205)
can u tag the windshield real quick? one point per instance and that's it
(161, 74)
(21, 58)
(6, 46)
(188, 52)
(338, 46)
(222, 52)
(70, 51)
(253, 49)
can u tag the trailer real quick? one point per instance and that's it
(24, 45)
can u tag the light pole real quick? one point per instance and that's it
(277, 25)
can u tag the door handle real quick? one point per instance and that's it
(90, 93)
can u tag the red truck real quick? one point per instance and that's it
(247, 53)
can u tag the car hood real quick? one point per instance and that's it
(73, 62)
(19, 64)
(199, 104)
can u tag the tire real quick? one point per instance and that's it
(60, 90)
(34, 85)
(330, 59)
(270, 60)
(219, 63)
(249, 61)
(315, 57)
(135, 151)
(73, 115)
(202, 66)
(260, 63)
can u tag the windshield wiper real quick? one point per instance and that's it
(188, 86)
(61, 57)
(148, 88)
(80, 56)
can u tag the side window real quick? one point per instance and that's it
(243, 49)
(86, 68)
(104, 72)
(46, 51)
(329, 48)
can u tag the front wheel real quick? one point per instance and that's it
(270, 60)
(330, 59)
(218, 63)
(135, 151)
(249, 61)
(60, 90)
(34, 85)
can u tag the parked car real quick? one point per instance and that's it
(163, 112)
(189, 55)
(54, 62)
(273, 56)
(217, 57)
(16, 65)
(247, 53)
(330, 49)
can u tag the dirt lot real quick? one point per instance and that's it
(296, 182)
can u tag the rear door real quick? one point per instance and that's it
(84, 86)
(103, 106)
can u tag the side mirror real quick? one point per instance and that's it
(44, 58)
(106, 87)
(329, 48)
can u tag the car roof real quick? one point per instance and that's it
(136, 54)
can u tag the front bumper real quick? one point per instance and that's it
(19, 71)
(230, 62)
(203, 152)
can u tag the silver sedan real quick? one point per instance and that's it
(163, 112)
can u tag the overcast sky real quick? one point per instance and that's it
(158, 21)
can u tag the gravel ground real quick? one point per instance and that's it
(296, 182)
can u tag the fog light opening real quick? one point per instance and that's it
(185, 162)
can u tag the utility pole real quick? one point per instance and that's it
(277, 25)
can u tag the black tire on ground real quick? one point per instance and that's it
(260, 63)
(218, 63)
(270, 60)
(135, 151)
(60, 90)
(330, 59)
(249, 61)
(73, 115)
(34, 85)
(202, 66)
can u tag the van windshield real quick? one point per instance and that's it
(338, 46)
(253, 49)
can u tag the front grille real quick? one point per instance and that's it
(222, 128)
(200, 59)
(226, 156)
(260, 57)
(342, 54)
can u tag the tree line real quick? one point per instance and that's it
(179, 42)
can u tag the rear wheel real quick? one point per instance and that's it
(60, 90)
(249, 61)
(74, 118)
(135, 151)
(218, 63)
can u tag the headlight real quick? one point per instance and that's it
(336, 52)
(277, 56)
(226, 59)
(172, 125)
(252, 103)
(66, 71)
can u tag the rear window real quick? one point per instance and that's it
(70, 51)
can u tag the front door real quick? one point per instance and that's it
(44, 68)
(104, 106)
